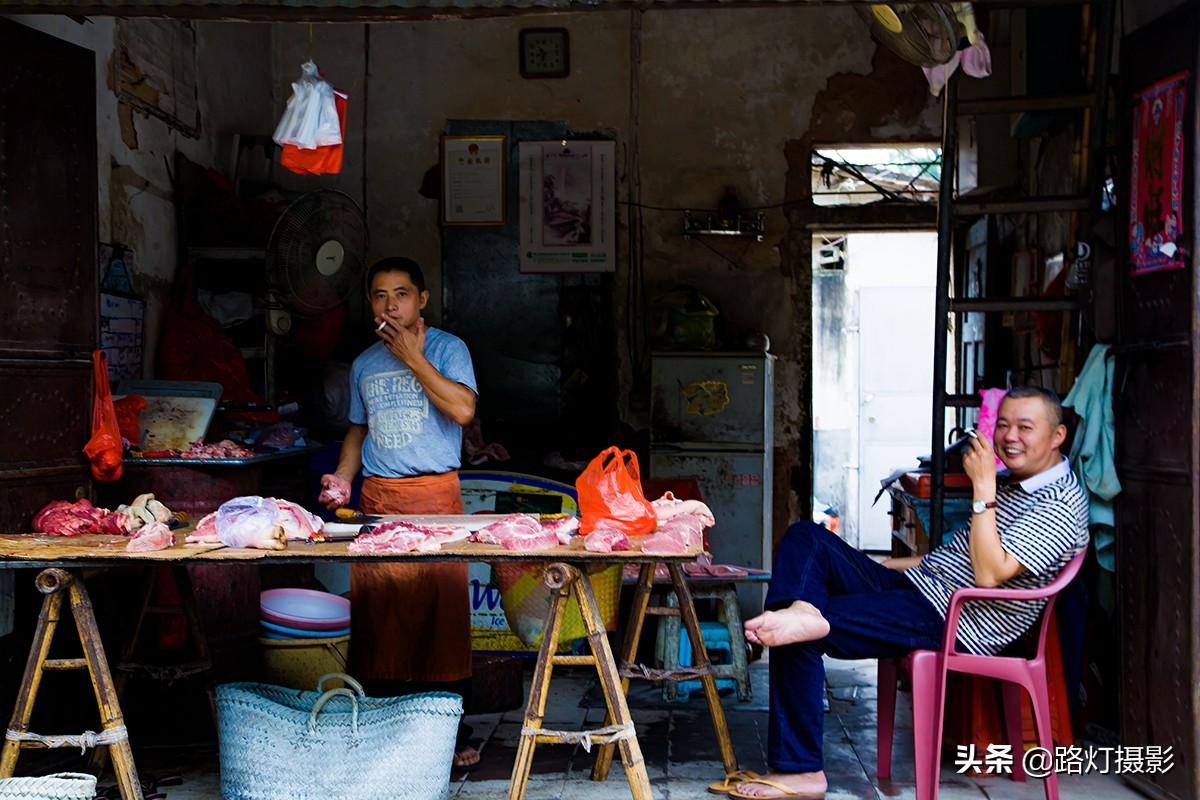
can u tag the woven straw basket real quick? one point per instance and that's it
(59, 786)
(284, 744)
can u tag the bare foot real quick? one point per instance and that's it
(465, 757)
(784, 784)
(799, 622)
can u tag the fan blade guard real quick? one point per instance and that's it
(316, 254)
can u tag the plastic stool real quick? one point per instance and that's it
(716, 642)
(671, 636)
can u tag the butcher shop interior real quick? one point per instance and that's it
(410, 399)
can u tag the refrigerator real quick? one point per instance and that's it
(711, 418)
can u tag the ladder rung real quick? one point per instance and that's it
(1025, 205)
(1050, 102)
(962, 401)
(65, 663)
(662, 611)
(1014, 304)
(573, 660)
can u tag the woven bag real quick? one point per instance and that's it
(283, 744)
(59, 786)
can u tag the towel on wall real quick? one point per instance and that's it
(1092, 452)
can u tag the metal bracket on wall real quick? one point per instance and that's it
(705, 223)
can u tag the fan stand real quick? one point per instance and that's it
(279, 324)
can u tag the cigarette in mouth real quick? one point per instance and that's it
(382, 325)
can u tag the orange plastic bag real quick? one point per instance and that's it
(321, 160)
(610, 495)
(104, 448)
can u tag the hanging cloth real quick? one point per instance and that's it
(1092, 451)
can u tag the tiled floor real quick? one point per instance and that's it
(680, 749)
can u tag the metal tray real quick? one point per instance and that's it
(257, 458)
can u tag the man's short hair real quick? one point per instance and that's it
(397, 264)
(1049, 399)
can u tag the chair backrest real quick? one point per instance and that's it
(1049, 592)
(1060, 582)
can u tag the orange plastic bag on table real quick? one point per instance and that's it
(104, 448)
(610, 495)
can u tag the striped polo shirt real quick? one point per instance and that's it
(1043, 523)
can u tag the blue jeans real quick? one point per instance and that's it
(873, 612)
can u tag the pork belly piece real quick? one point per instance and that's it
(206, 531)
(150, 537)
(519, 532)
(663, 544)
(61, 518)
(405, 537)
(606, 540)
(687, 527)
(669, 506)
(562, 527)
(115, 522)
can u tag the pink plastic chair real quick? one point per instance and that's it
(928, 669)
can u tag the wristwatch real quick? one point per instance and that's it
(979, 506)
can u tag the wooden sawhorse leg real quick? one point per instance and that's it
(54, 583)
(565, 580)
(201, 662)
(701, 668)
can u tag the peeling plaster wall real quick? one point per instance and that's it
(697, 100)
(177, 72)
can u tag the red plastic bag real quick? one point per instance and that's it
(610, 495)
(321, 160)
(104, 448)
(129, 417)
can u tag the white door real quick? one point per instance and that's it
(895, 396)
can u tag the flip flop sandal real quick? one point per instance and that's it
(731, 781)
(784, 791)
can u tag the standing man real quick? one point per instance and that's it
(411, 393)
(825, 597)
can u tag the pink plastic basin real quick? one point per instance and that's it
(305, 609)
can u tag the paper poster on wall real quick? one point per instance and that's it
(568, 206)
(1156, 176)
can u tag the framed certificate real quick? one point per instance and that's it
(473, 180)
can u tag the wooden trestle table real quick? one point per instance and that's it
(566, 574)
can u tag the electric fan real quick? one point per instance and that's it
(925, 34)
(315, 256)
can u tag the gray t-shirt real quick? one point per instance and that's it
(406, 433)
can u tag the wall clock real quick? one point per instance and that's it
(545, 53)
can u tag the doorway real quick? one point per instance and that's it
(873, 309)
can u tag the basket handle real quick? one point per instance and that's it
(323, 699)
(342, 677)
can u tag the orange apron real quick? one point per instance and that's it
(412, 622)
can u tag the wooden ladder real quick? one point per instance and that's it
(55, 584)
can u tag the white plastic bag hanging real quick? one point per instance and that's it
(310, 119)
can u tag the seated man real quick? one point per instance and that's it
(825, 597)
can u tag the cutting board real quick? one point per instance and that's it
(173, 423)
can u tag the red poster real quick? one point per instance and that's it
(1156, 176)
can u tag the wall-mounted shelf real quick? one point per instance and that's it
(706, 223)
